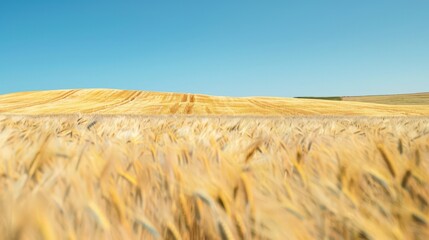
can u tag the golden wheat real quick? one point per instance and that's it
(129, 177)
(110, 101)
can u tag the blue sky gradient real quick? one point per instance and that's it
(234, 48)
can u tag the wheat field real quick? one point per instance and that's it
(111, 101)
(213, 177)
(395, 99)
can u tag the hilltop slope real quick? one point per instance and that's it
(395, 99)
(107, 101)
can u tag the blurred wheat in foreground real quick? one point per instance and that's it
(128, 177)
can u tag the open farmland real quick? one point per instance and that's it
(108, 101)
(178, 177)
(394, 99)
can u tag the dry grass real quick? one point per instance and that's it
(142, 102)
(396, 99)
(105, 177)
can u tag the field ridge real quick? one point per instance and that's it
(111, 101)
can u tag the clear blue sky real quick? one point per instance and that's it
(231, 47)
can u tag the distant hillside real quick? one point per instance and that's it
(322, 98)
(393, 99)
(396, 99)
(108, 101)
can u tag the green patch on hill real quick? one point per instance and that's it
(323, 98)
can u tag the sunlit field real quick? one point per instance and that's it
(112, 101)
(214, 120)
(178, 177)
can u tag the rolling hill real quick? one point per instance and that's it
(108, 101)
(395, 99)
(391, 99)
